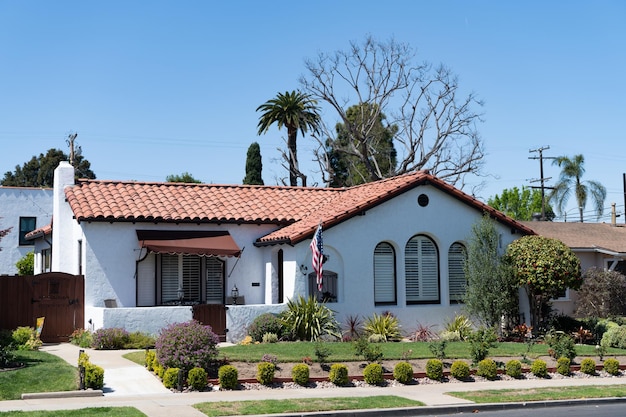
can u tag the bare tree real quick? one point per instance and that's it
(436, 127)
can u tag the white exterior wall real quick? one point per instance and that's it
(445, 220)
(16, 202)
(65, 231)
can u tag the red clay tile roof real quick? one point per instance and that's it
(584, 235)
(299, 209)
(39, 232)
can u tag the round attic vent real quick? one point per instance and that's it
(422, 200)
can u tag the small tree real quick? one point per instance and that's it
(544, 267)
(184, 177)
(254, 165)
(492, 290)
(602, 294)
(26, 265)
(521, 204)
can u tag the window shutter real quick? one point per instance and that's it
(214, 281)
(191, 278)
(422, 270)
(384, 274)
(456, 273)
(169, 278)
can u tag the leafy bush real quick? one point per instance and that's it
(227, 377)
(23, 334)
(460, 325)
(615, 336)
(338, 374)
(460, 370)
(539, 368)
(513, 368)
(270, 338)
(109, 338)
(265, 372)
(403, 372)
(385, 326)
(140, 340)
(611, 366)
(563, 365)
(373, 374)
(370, 353)
(26, 264)
(81, 337)
(170, 378)
(186, 345)
(562, 344)
(434, 369)
(300, 374)
(602, 294)
(94, 376)
(438, 348)
(588, 366)
(158, 369)
(309, 320)
(265, 323)
(268, 357)
(487, 368)
(150, 359)
(197, 379)
(481, 341)
(322, 352)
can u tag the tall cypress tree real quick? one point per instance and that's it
(254, 165)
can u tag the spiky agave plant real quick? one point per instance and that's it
(385, 326)
(309, 320)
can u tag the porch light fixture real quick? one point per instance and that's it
(234, 294)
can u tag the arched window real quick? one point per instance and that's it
(384, 274)
(421, 260)
(456, 273)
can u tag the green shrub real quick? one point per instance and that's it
(268, 357)
(373, 374)
(338, 374)
(197, 379)
(322, 352)
(403, 372)
(615, 336)
(160, 371)
(170, 378)
(150, 358)
(300, 374)
(307, 319)
(270, 338)
(265, 372)
(140, 340)
(487, 368)
(460, 370)
(81, 337)
(588, 366)
(26, 264)
(539, 368)
(227, 376)
(109, 338)
(22, 335)
(186, 345)
(461, 326)
(438, 348)
(611, 366)
(513, 368)
(562, 344)
(481, 341)
(563, 365)
(265, 323)
(434, 369)
(371, 353)
(94, 376)
(384, 327)
(83, 359)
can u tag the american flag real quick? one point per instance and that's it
(317, 249)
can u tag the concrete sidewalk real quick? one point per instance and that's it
(128, 384)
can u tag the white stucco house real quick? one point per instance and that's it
(23, 210)
(152, 252)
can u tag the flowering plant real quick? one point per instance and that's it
(187, 345)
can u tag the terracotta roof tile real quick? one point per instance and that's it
(584, 235)
(298, 209)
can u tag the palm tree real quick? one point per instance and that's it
(570, 181)
(296, 111)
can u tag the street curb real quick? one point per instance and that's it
(450, 409)
(63, 394)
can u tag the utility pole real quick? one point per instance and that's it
(541, 178)
(70, 141)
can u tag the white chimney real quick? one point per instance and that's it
(63, 255)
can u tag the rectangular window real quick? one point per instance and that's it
(80, 257)
(45, 260)
(181, 279)
(329, 287)
(27, 224)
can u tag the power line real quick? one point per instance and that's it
(541, 179)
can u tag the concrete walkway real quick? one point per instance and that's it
(129, 384)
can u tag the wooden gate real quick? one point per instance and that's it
(214, 315)
(57, 296)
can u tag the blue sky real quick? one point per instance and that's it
(158, 88)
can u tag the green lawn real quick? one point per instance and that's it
(85, 412)
(43, 373)
(304, 405)
(542, 394)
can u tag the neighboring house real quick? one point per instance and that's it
(22, 209)
(600, 245)
(150, 252)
